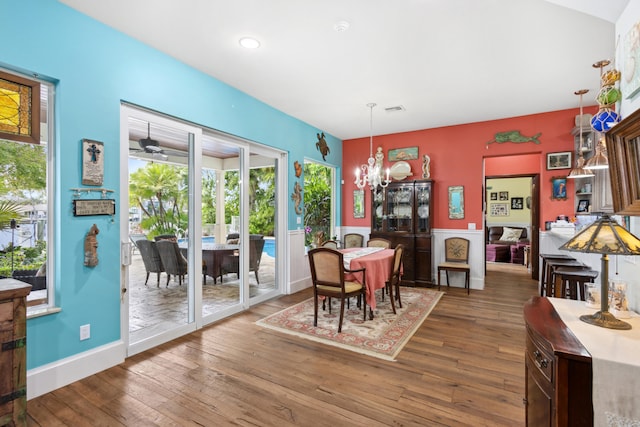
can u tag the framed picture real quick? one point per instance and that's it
(92, 162)
(456, 202)
(499, 209)
(358, 203)
(630, 83)
(504, 196)
(410, 153)
(561, 160)
(623, 151)
(559, 188)
(517, 202)
(493, 196)
(583, 205)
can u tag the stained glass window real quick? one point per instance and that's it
(19, 109)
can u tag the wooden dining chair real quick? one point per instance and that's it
(330, 244)
(327, 275)
(393, 284)
(353, 240)
(456, 253)
(379, 242)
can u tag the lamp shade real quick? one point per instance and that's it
(604, 236)
(579, 171)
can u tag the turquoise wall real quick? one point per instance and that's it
(94, 68)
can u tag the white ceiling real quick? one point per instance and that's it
(447, 62)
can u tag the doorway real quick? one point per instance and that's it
(504, 195)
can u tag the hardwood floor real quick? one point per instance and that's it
(464, 366)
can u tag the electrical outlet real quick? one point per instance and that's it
(85, 332)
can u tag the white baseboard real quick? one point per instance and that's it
(300, 285)
(46, 378)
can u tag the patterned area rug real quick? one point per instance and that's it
(383, 337)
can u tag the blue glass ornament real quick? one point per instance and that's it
(604, 120)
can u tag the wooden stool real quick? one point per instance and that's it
(544, 270)
(573, 281)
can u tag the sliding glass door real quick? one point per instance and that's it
(200, 222)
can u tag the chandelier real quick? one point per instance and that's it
(371, 172)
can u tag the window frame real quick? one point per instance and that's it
(46, 89)
(36, 86)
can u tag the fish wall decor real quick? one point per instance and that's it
(514, 136)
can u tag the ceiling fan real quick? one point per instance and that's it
(152, 146)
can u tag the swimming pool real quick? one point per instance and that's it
(269, 245)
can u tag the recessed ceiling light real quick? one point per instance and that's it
(249, 43)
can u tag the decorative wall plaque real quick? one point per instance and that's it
(92, 162)
(94, 207)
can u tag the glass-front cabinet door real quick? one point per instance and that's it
(377, 210)
(399, 208)
(423, 207)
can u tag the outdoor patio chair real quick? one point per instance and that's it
(172, 260)
(231, 263)
(134, 239)
(150, 258)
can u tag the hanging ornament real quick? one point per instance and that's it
(608, 95)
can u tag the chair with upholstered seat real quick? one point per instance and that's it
(150, 258)
(378, 242)
(353, 240)
(327, 276)
(330, 244)
(456, 251)
(172, 260)
(393, 284)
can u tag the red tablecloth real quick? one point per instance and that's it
(378, 269)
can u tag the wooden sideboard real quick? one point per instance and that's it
(13, 351)
(558, 377)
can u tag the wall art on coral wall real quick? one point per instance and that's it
(499, 209)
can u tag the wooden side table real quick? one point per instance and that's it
(13, 352)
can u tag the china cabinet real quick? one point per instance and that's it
(402, 213)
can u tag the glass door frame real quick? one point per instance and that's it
(196, 320)
(194, 294)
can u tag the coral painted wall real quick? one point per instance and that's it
(458, 155)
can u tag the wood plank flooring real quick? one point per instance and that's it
(463, 367)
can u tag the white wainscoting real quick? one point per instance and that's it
(476, 257)
(299, 273)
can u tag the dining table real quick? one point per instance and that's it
(212, 256)
(377, 262)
